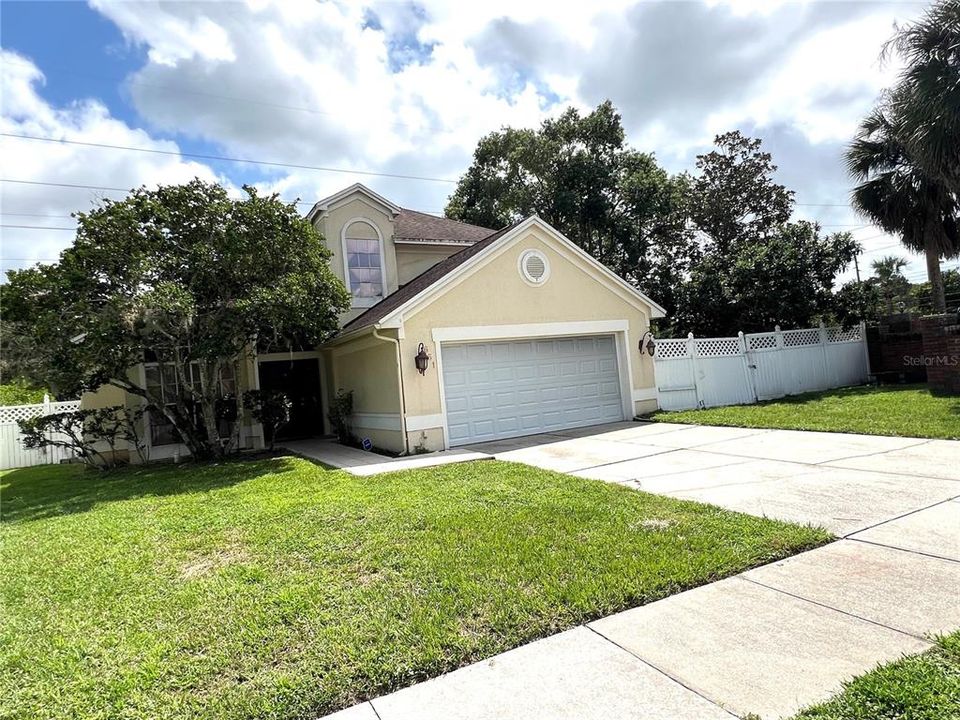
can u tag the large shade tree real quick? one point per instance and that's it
(903, 199)
(183, 276)
(755, 268)
(578, 173)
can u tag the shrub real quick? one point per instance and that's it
(81, 431)
(341, 408)
(271, 408)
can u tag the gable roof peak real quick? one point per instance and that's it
(326, 203)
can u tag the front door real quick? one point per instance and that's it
(300, 380)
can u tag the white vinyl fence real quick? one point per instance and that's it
(12, 452)
(707, 372)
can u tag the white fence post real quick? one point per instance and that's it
(707, 372)
(692, 352)
(748, 367)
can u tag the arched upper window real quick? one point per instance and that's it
(363, 255)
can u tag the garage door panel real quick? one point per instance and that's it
(502, 389)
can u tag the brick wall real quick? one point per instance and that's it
(895, 348)
(941, 352)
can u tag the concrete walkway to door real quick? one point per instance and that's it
(768, 641)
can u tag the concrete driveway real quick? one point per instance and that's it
(767, 641)
(845, 483)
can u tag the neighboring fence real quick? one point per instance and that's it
(707, 372)
(12, 452)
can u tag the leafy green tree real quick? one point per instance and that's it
(578, 174)
(855, 301)
(922, 297)
(926, 99)
(900, 197)
(735, 199)
(755, 268)
(182, 275)
(894, 288)
(20, 392)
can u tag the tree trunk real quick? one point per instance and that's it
(208, 402)
(937, 296)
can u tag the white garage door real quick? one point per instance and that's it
(497, 390)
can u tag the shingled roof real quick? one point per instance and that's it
(421, 282)
(411, 225)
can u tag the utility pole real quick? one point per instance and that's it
(856, 265)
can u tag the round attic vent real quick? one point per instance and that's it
(534, 268)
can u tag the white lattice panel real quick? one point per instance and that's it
(718, 347)
(12, 452)
(720, 373)
(838, 334)
(801, 338)
(762, 342)
(12, 413)
(671, 349)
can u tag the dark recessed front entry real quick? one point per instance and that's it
(300, 379)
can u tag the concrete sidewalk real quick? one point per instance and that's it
(768, 641)
(360, 462)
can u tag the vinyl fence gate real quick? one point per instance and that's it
(12, 452)
(708, 372)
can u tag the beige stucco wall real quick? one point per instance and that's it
(415, 259)
(497, 295)
(331, 225)
(368, 367)
(105, 396)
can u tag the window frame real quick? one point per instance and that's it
(195, 378)
(360, 302)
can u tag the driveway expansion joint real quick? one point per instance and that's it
(906, 550)
(898, 517)
(830, 607)
(660, 670)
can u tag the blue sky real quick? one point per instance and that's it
(410, 88)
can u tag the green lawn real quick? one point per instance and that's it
(902, 410)
(277, 589)
(919, 687)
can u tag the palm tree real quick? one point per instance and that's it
(901, 198)
(890, 279)
(926, 99)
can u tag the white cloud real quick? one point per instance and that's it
(409, 88)
(25, 112)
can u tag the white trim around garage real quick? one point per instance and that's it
(620, 329)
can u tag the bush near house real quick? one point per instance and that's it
(277, 589)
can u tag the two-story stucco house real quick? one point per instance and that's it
(518, 331)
